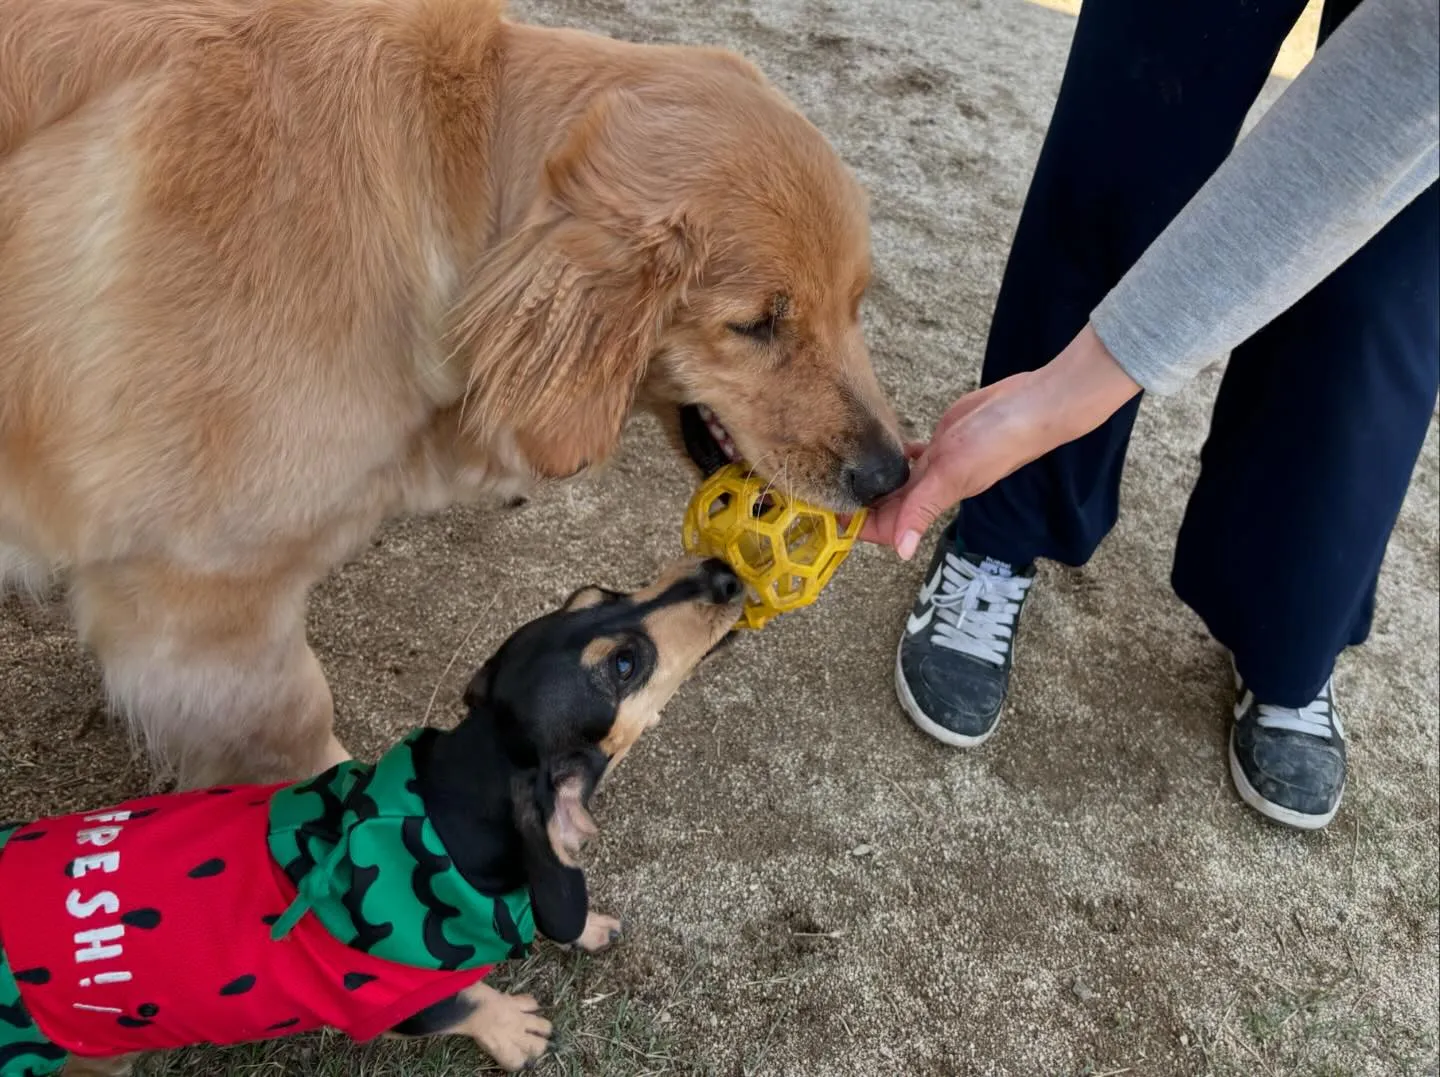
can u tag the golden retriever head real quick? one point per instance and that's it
(695, 241)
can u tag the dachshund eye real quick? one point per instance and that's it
(762, 330)
(623, 662)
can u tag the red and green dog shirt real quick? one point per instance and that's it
(239, 913)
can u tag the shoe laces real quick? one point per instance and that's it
(975, 610)
(1314, 719)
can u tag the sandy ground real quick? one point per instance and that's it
(812, 887)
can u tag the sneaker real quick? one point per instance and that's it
(1288, 763)
(953, 666)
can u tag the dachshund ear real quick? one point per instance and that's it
(558, 324)
(570, 826)
(549, 804)
(554, 824)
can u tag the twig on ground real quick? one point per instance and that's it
(908, 799)
(1240, 1042)
(764, 1046)
(774, 981)
(450, 664)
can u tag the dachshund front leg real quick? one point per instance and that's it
(508, 1028)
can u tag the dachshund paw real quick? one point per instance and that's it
(600, 932)
(511, 1029)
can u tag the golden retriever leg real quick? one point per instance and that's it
(121, 1066)
(214, 672)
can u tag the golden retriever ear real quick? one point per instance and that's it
(558, 323)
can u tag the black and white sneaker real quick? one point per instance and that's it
(952, 670)
(1288, 763)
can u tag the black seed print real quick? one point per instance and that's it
(238, 986)
(33, 976)
(70, 870)
(422, 880)
(125, 1021)
(147, 1009)
(271, 920)
(219, 791)
(30, 835)
(279, 1025)
(367, 934)
(298, 868)
(207, 869)
(326, 826)
(356, 980)
(143, 813)
(359, 800)
(509, 932)
(258, 803)
(46, 1052)
(146, 919)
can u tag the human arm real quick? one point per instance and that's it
(1343, 150)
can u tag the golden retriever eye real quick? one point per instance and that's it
(762, 330)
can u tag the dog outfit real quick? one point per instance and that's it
(240, 913)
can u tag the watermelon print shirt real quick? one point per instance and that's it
(234, 914)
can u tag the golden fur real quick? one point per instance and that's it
(272, 270)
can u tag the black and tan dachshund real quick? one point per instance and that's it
(372, 898)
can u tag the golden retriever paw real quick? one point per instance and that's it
(511, 1030)
(600, 931)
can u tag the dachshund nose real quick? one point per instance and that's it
(879, 469)
(720, 578)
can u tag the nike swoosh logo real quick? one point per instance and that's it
(928, 591)
(918, 622)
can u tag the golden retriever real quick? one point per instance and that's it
(272, 270)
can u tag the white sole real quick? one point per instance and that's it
(916, 715)
(1247, 792)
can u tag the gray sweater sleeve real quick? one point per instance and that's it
(1347, 146)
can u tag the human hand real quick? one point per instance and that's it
(987, 434)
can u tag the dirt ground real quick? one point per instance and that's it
(812, 888)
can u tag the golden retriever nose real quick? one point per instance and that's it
(879, 469)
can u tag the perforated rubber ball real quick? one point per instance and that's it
(785, 551)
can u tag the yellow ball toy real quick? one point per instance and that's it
(784, 550)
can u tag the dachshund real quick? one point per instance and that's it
(371, 898)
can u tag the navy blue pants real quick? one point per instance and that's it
(1321, 415)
